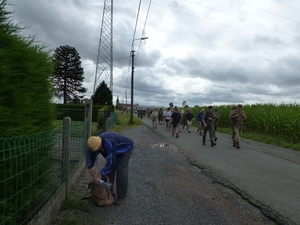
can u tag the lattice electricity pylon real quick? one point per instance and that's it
(105, 49)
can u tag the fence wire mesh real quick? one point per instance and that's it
(31, 170)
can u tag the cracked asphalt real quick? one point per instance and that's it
(180, 181)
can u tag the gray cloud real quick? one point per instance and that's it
(194, 53)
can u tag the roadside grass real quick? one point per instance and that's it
(260, 137)
(122, 123)
(72, 207)
(70, 220)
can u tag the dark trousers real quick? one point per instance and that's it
(121, 174)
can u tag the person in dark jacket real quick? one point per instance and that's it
(175, 121)
(208, 121)
(199, 120)
(116, 149)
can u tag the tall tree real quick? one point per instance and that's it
(68, 75)
(102, 95)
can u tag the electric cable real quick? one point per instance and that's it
(238, 18)
(143, 32)
(229, 27)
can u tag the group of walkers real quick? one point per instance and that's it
(207, 120)
(117, 149)
(172, 119)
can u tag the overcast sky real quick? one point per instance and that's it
(199, 51)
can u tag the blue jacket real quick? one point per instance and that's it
(199, 117)
(114, 145)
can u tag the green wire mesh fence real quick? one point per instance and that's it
(32, 169)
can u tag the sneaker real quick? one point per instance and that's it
(212, 144)
(119, 201)
(177, 135)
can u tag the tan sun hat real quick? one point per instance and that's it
(94, 143)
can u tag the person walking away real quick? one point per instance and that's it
(168, 115)
(160, 116)
(116, 149)
(189, 119)
(164, 115)
(233, 112)
(183, 121)
(238, 118)
(154, 116)
(175, 121)
(208, 120)
(217, 119)
(199, 120)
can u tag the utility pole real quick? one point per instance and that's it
(126, 100)
(132, 74)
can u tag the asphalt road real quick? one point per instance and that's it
(180, 181)
(267, 176)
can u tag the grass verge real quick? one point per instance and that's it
(122, 123)
(260, 137)
(72, 208)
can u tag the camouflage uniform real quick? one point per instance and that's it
(239, 116)
(216, 122)
(208, 117)
(234, 108)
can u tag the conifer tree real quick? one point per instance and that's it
(68, 76)
(102, 95)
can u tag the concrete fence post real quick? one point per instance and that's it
(66, 153)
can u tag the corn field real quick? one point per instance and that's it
(271, 119)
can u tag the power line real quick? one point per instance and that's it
(136, 22)
(269, 12)
(113, 61)
(236, 17)
(287, 6)
(143, 32)
(255, 35)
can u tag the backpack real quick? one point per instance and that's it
(101, 195)
(189, 116)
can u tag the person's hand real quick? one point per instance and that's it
(97, 178)
(92, 172)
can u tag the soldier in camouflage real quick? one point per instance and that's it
(208, 122)
(234, 108)
(238, 117)
(217, 119)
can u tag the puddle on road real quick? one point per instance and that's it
(163, 145)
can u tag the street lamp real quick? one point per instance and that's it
(132, 74)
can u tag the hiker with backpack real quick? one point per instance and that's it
(116, 149)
